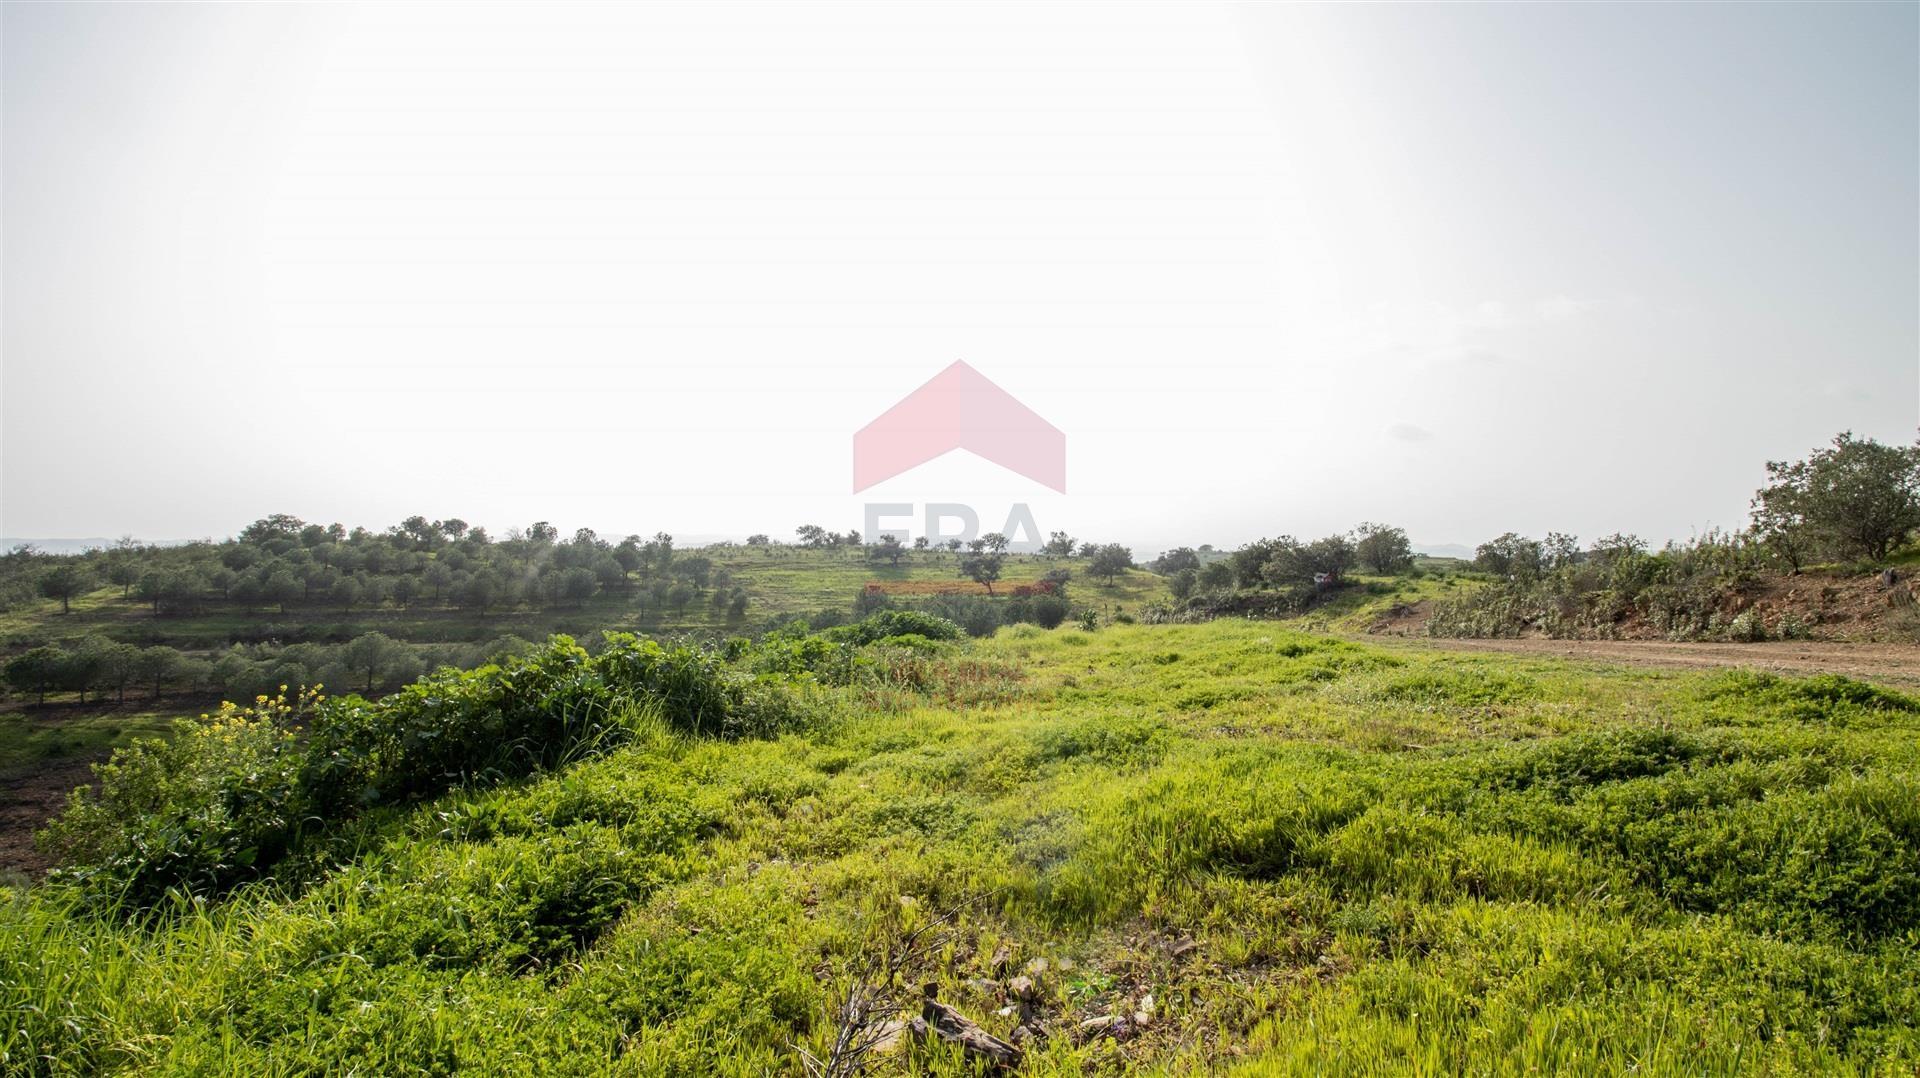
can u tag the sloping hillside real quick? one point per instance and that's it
(1193, 846)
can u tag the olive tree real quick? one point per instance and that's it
(1856, 498)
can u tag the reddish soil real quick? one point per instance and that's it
(27, 801)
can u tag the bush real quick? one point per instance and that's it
(898, 623)
(1046, 611)
(201, 810)
(226, 799)
(976, 614)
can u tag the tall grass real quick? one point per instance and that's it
(1315, 857)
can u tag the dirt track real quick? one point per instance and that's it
(1893, 663)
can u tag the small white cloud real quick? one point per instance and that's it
(1407, 432)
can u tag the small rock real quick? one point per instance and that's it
(1002, 961)
(984, 986)
(1185, 947)
(1022, 988)
(1008, 1011)
(891, 1035)
(1107, 1025)
(1037, 968)
(1020, 1035)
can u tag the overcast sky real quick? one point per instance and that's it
(1271, 269)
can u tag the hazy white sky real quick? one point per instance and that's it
(1272, 269)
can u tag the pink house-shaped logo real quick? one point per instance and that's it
(960, 409)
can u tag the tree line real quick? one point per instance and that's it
(280, 563)
(366, 664)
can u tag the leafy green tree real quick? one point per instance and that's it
(345, 592)
(1109, 561)
(659, 554)
(126, 573)
(478, 593)
(1293, 563)
(1855, 499)
(282, 589)
(608, 573)
(36, 670)
(1514, 557)
(1249, 563)
(157, 665)
(376, 657)
(405, 590)
(1059, 545)
(1382, 549)
(577, 585)
(1216, 575)
(696, 570)
(151, 589)
(1177, 560)
(812, 535)
(80, 670)
(63, 582)
(888, 549)
(420, 532)
(679, 596)
(1560, 550)
(629, 554)
(439, 576)
(983, 563)
(114, 666)
(277, 526)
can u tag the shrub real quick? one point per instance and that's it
(1823, 698)
(201, 810)
(898, 623)
(225, 800)
(976, 614)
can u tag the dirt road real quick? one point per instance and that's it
(1896, 664)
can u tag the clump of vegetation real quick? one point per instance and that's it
(1685, 592)
(228, 797)
(1857, 500)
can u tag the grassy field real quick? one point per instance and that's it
(1228, 847)
(34, 737)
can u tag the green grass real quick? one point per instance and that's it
(1406, 862)
(31, 739)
